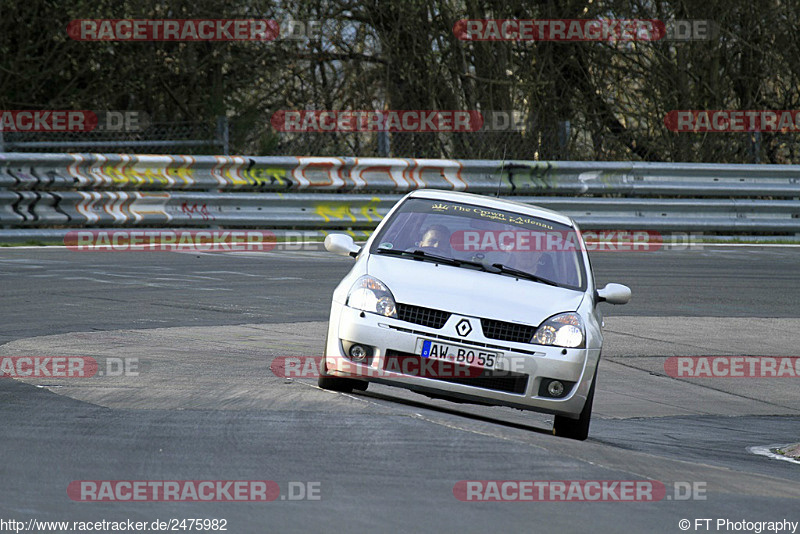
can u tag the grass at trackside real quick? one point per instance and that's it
(280, 239)
(745, 241)
(32, 244)
(792, 451)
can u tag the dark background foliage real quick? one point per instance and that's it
(581, 100)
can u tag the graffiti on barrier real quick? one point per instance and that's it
(341, 212)
(196, 209)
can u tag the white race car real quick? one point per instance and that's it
(471, 299)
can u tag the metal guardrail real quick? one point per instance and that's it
(120, 190)
(238, 173)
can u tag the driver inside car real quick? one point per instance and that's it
(436, 237)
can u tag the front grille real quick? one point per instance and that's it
(517, 333)
(424, 316)
(462, 341)
(414, 365)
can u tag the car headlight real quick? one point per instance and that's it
(562, 330)
(371, 295)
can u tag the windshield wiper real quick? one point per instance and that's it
(523, 274)
(483, 265)
(422, 255)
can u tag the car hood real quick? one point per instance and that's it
(471, 292)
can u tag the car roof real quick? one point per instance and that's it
(494, 203)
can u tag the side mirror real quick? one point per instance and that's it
(341, 244)
(614, 294)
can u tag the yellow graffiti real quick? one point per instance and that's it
(134, 177)
(116, 176)
(153, 177)
(343, 211)
(258, 176)
(183, 173)
(365, 211)
(331, 211)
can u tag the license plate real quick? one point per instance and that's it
(462, 355)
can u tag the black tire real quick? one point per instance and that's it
(576, 428)
(360, 385)
(337, 383)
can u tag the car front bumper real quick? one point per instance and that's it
(392, 343)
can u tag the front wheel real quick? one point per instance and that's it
(576, 428)
(337, 383)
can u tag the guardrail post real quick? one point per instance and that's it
(755, 147)
(564, 128)
(223, 136)
(384, 144)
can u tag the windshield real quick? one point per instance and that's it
(504, 242)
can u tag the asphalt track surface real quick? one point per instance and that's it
(204, 327)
